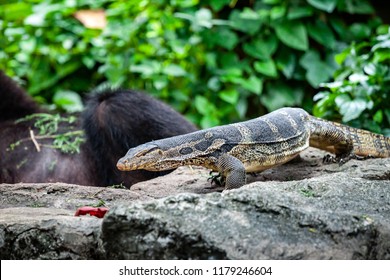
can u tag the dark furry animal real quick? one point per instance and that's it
(113, 122)
(116, 120)
(14, 102)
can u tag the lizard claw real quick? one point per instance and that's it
(341, 159)
(218, 179)
(361, 157)
(345, 158)
(329, 159)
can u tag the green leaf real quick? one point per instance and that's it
(387, 114)
(241, 107)
(203, 106)
(174, 70)
(214, 84)
(147, 68)
(203, 17)
(160, 82)
(28, 45)
(271, 2)
(245, 21)
(229, 60)
(358, 78)
(267, 68)
(340, 27)
(226, 38)
(15, 11)
(249, 14)
(281, 95)
(324, 5)
(209, 121)
(293, 34)
(229, 95)
(378, 117)
(316, 76)
(321, 33)
(278, 12)
(370, 69)
(382, 45)
(317, 71)
(341, 57)
(217, 5)
(261, 48)
(142, 68)
(349, 108)
(41, 82)
(211, 60)
(355, 7)
(341, 99)
(360, 31)
(352, 110)
(299, 12)
(253, 84)
(183, 3)
(70, 101)
(286, 62)
(230, 74)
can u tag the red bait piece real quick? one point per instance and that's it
(92, 211)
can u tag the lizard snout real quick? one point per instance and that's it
(122, 164)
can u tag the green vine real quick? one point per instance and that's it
(48, 126)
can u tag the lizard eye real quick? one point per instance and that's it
(145, 152)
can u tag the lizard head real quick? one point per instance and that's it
(170, 153)
(144, 156)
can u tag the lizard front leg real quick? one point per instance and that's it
(330, 137)
(233, 170)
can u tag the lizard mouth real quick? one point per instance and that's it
(122, 165)
(141, 157)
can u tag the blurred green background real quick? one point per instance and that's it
(216, 61)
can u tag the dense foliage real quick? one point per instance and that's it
(217, 61)
(360, 94)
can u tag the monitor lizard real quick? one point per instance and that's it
(256, 145)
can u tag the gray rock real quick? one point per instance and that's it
(62, 196)
(300, 210)
(317, 218)
(42, 233)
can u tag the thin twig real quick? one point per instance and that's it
(34, 140)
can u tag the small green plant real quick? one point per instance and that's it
(48, 126)
(118, 186)
(12, 146)
(309, 192)
(360, 93)
(100, 203)
(37, 204)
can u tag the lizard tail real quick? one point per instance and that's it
(341, 139)
(366, 143)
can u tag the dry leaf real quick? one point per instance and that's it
(95, 19)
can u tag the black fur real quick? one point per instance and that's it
(114, 121)
(14, 102)
(117, 120)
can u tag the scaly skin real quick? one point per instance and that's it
(255, 145)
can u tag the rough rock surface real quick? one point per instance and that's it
(300, 210)
(43, 233)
